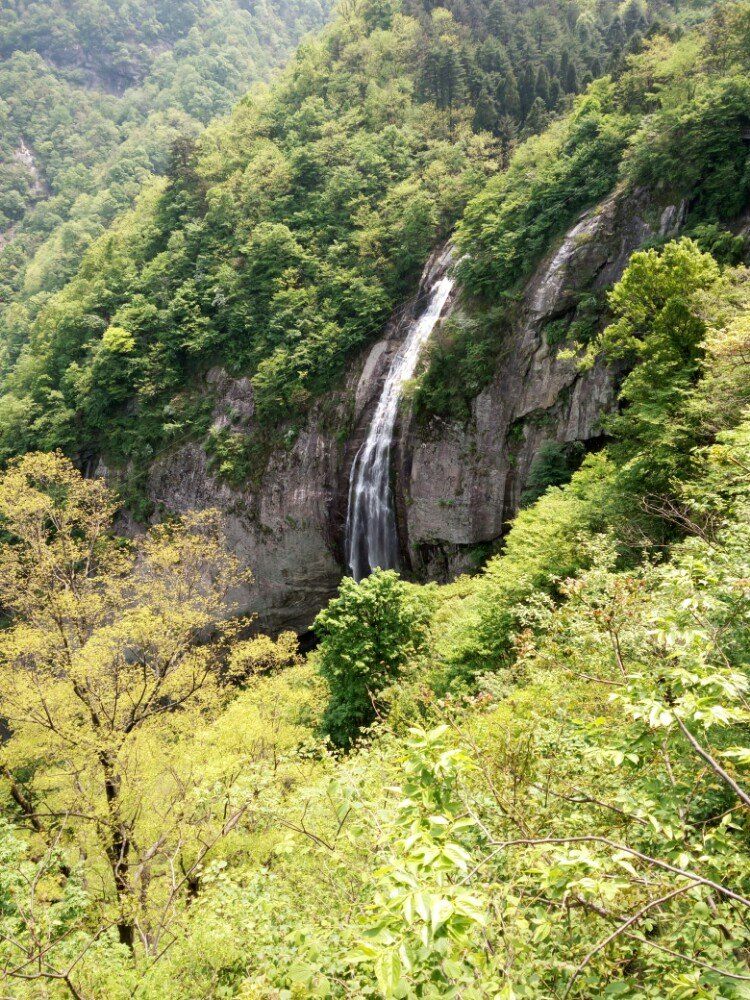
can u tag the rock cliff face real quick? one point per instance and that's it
(456, 485)
(461, 484)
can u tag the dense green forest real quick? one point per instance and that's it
(92, 96)
(530, 782)
(282, 240)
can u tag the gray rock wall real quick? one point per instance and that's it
(462, 484)
(456, 486)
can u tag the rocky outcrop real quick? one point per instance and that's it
(462, 483)
(282, 529)
(456, 485)
(24, 156)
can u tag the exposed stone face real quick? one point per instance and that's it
(461, 484)
(24, 155)
(281, 530)
(456, 486)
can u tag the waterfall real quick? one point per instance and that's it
(371, 537)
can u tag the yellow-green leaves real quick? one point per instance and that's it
(112, 653)
(423, 940)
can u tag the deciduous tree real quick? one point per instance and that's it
(113, 648)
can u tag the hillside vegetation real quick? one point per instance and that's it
(545, 793)
(281, 241)
(92, 96)
(674, 123)
(528, 783)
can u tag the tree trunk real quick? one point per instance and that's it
(118, 852)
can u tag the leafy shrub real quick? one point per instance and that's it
(507, 228)
(696, 148)
(368, 633)
(542, 546)
(724, 246)
(460, 359)
(426, 923)
(263, 655)
(659, 329)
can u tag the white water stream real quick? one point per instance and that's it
(371, 536)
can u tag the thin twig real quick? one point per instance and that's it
(652, 904)
(591, 839)
(713, 764)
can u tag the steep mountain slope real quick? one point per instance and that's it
(231, 308)
(544, 791)
(503, 396)
(457, 483)
(92, 96)
(528, 783)
(397, 88)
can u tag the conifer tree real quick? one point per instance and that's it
(527, 89)
(542, 85)
(636, 42)
(507, 133)
(506, 90)
(633, 19)
(498, 20)
(571, 79)
(537, 119)
(616, 36)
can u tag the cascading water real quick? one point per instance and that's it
(371, 537)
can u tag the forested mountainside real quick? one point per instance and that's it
(282, 241)
(529, 780)
(208, 348)
(92, 95)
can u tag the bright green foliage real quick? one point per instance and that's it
(697, 147)
(658, 326)
(510, 224)
(542, 547)
(649, 121)
(670, 644)
(426, 937)
(558, 835)
(723, 245)
(553, 465)
(368, 632)
(262, 655)
(723, 393)
(569, 817)
(91, 97)
(460, 356)
(285, 236)
(642, 128)
(65, 899)
(684, 328)
(278, 246)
